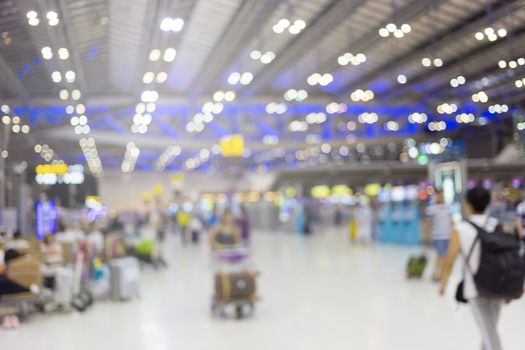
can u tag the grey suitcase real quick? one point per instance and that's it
(125, 278)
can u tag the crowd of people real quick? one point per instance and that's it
(138, 235)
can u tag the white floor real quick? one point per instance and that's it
(318, 292)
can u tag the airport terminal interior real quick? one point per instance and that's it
(262, 174)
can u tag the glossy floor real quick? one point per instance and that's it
(317, 293)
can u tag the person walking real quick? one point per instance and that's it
(441, 218)
(464, 240)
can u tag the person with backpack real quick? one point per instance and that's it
(493, 271)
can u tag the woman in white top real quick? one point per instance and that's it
(485, 310)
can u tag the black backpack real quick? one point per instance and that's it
(501, 272)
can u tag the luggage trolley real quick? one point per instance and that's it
(234, 283)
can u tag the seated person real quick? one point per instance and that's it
(7, 287)
(52, 258)
(225, 233)
(95, 239)
(17, 243)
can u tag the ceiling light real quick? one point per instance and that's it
(63, 53)
(70, 76)
(172, 24)
(437, 126)
(234, 78)
(417, 118)
(148, 77)
(300, 24)
(480, 96)
(154, 55)
(368, 118)
(406, 28)
(80, 109)
(75, 95)
(63, 94)
(169, 54)
(51, 15)
(392, 126)
(140, 108)
(229, 96)
(294, 30)
(31, 14)
(246, 78)
(82, 120)
(401, 79)
(383, 32)
(52, 18)
(267, 57)
(397, 32)
(161, 77)
(362, 95)
(426, 62)
(33, 21)
(438, 62)
(56, 77)
(149, 96)
(255, 55)
(278, 29)
(218, 96)
(465, 118)
(47, 53)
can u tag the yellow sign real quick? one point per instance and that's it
(146, 197)
(57, 169)
(320, 191)
(372, 189)
(341, 190)
(157, 190)
(232, 146)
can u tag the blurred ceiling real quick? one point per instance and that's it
(187, 57)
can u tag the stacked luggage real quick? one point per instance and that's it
(235, 284)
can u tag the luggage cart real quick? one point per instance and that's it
(233, 266)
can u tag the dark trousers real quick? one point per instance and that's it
(9, 287)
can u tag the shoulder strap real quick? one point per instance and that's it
(471, 250)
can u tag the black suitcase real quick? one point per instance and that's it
(195, 236)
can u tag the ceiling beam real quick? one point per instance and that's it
(335, 12)
(464, 60)
(450, 35)
(242, 29)
(500, 77)
(412, 10)
(11, 81)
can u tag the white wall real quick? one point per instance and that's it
(125, 191)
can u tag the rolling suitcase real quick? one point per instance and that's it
(125, 278)
(63, 293)
(195, 236)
